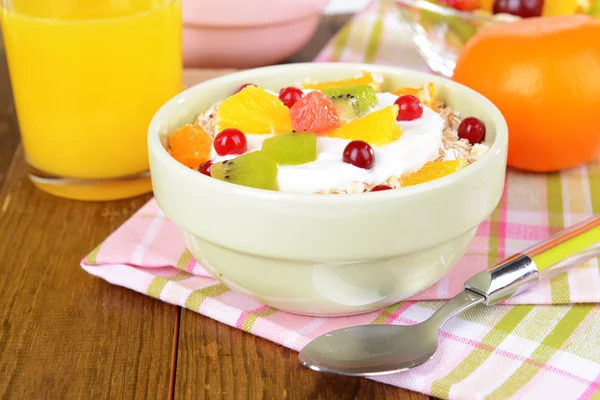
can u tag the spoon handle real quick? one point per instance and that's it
(566, 249)
(569, 248)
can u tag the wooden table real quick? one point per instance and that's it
(66, 334)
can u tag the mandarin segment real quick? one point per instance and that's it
(433, 170)
(190, 145)
(366, 78)
(254, 110)
(427, 94)
(377, 128)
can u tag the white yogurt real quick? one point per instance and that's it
(420, 143)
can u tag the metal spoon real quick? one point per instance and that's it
(371, 350)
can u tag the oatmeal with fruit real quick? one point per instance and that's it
(342, 136)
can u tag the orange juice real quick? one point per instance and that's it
(87, 79)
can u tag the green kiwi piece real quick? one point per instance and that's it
(292, 148)
(352, 102)
(255, 169)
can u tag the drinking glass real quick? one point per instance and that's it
(87, 77)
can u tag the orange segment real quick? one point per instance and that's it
(560, 7)
(433, 170)
(377, 128)
(190, 145)
(254, 110)
(365, 79)
(426, 94)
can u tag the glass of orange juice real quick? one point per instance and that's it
(87, 77)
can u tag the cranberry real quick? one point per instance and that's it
(409, 108)
(379, 188)
(205, 168)
(472, 129)
(290, 95)
(243, 86)
(360, 154)
(230, 141)
(522, 8)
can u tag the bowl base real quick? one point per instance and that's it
(326, 288)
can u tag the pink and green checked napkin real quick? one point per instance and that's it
(544, 344)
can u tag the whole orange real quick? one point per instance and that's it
(544, 76)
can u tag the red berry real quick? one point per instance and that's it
(230, 141)
(360, 154)
(290, 95)
(409, 108)
(521, 8)
(472, 129)
(379, 188)
(243, 86)
(205, 168)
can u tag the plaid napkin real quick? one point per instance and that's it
(538, 345)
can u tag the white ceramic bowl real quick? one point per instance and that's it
(327, 255)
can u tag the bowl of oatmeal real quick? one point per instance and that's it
(328, 189)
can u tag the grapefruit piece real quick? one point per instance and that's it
(433, 170)
(254, 110)
(377, 128)
(314, 113)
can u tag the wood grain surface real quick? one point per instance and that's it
(66, 334)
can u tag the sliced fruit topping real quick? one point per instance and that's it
(409, 108)
(230, 141)
(292, 148)
(254, 110)
(360, 154)
(433, 170)
(377, 128)
(463, 5)
(255, 169)
(560, 7)
(379, 188)
(487, 5)
(427, 94)
(190, 145)
(290, 95)
(243, 86)
(205, 168)
(472, 129)
(352, 102)
(365, 79)
(314, 113)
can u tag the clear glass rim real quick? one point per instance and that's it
(446, 11)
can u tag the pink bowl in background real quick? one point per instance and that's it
(246, 33)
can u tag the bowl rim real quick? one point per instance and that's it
(155, 146)
(447, 11)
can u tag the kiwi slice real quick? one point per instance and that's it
(352, 102)
(292, 148)
(255, 169)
